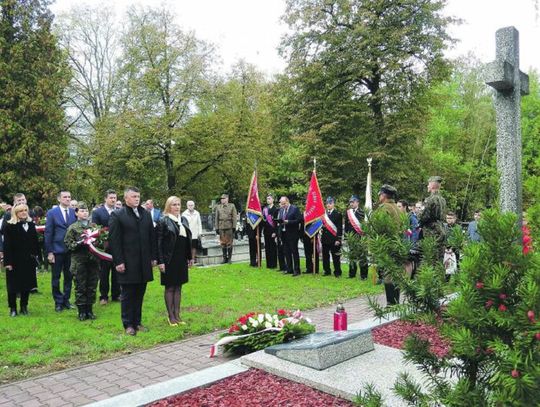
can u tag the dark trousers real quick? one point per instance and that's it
(253, 255)
(12, 299)
(363, 265)
(85, 274)
(336, 259)
(62, 263)
(132, 301)
(270, 249)
(106, 268)
(281, 255)
(308, 251)
(290, 250)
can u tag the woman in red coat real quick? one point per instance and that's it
(20, 251)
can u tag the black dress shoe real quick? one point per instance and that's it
(327, 274)
(68, 306)
(24, 311)
(82, 316)
(13, 312)
(296, 275)
(58, 308)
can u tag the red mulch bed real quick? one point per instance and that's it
(395, 333)
(253, 388)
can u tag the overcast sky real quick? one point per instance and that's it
(251, 29)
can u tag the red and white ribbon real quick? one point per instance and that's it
(329, 225)
(40, 228)
(355, 223)
(89, 237)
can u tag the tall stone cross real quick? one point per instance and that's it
(510, 84)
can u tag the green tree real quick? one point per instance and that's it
(33, 76)
(162, 75)
(461, 139)
(356, 71)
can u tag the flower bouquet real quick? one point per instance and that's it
(253, 331)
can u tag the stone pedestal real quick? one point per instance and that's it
(324, 349)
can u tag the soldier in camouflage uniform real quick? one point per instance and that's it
(84, 265)
(433, 216)
(226, 218)
(387, 204)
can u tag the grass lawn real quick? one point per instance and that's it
(47, 341)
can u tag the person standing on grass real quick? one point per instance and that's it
(195, 225)
(84, 265)
(20, 251)
(133, 248)
(174, 256)
(101, 217)
(58, 220)
(226, 218)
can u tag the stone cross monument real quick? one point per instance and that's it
(510, 84)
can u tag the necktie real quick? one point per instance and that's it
(65, 215)
(136, 212)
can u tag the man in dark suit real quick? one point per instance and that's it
(289, 218)
(100, 217)
(332, 233)
(155, 213)
(353, 219)
(133, 247)
(58, 220)
(270, 213)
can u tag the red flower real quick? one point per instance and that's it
(243, 319)
(502, 296)
(530, 315)
(502, 308)
(233, 328)
(489, 303)
(537, 336)
(515, 374)
(281, 312)
(479, 285)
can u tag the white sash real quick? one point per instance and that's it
(329, 225)
(355, 223)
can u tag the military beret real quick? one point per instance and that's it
(82, 205)
(354, 198)
(435, 178)
(330, 200)
(388, 190)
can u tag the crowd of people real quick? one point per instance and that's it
(282, 228)
(141, 237)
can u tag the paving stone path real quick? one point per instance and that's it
(102, 380)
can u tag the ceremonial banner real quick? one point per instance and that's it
(314, 213)
(253, 211)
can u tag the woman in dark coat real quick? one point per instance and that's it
(174, 255)
(20, 251)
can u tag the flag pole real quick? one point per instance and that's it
(314, 236)
(257, 237)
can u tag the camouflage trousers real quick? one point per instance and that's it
(436, 231)
(85, 271)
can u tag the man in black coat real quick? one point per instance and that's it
(133, 247)
(101, 217)
(289, 218)
(332, 234)
(270, 214)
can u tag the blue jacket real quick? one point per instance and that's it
(55, 229)
(101, 216)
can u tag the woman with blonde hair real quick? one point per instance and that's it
(20, 251)
(174, 255)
